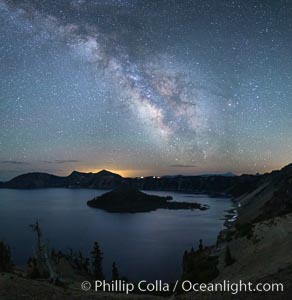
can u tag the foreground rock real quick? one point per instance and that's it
(14, 287)
(130, 200)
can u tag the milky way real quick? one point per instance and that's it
(145, 87)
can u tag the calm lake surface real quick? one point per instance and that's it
(144, 245)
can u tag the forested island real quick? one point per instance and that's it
(126, 199)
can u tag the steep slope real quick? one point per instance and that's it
(259, 242)
(273, 197)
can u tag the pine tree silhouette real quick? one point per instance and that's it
(5, 257)
(201, 245)
(229, 260)
(115, 272)
(97, 257)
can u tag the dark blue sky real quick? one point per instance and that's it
(145, 87)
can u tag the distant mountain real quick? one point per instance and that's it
(35, 180)
(101, 180)
(228, 174)
(217, 184)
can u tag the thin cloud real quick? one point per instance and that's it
(61, 161)
(14, 162)
(183, 166)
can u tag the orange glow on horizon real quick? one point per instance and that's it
(123, 173)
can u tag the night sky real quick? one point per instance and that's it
(145, 87)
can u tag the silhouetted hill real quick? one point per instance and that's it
(101, 180)
(35, 180)
(107, 173)
(126, 199)
(228, 174)
(212, 184)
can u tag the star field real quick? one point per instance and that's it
(145, 87)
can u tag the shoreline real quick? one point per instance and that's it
(188, 192)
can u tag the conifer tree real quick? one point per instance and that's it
(115, 272)
(229, 260)
(37, 229)
(201, 245)
(97, 257)
(5, 257)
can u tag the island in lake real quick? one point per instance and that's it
(126, 199)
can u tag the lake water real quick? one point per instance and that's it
(144, 245)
